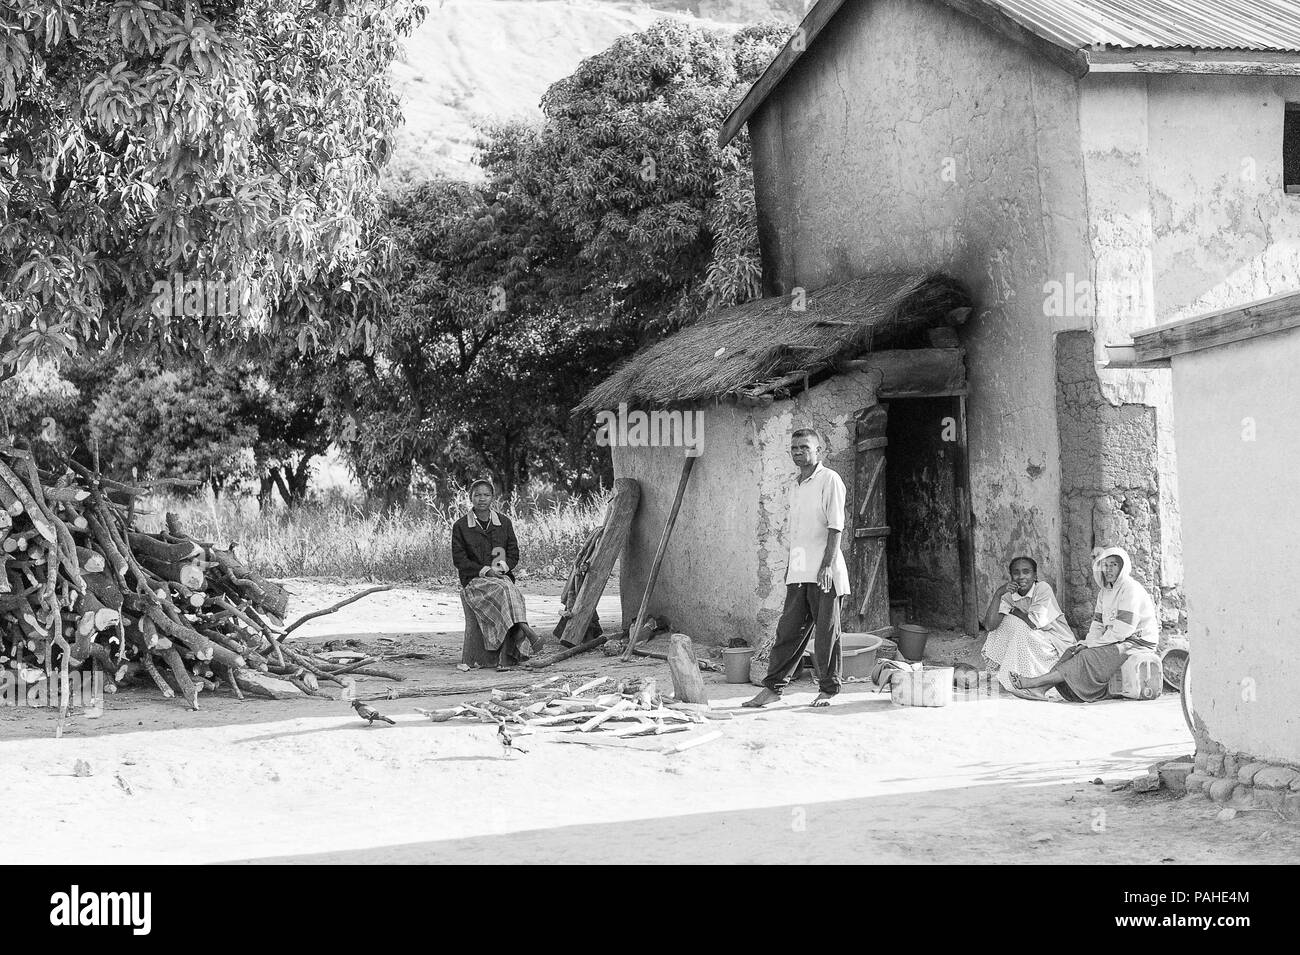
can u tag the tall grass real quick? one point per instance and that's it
(339, 536)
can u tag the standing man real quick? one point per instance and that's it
(816, 577)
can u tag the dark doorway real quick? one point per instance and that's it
(922, 501)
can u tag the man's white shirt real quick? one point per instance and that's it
(816, 509)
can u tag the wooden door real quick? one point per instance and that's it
(868, 603)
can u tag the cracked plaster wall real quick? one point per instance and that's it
(910, 137)
(1187, 214)
(723, 574)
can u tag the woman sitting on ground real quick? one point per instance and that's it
(1027, 630)
(485, 552)
(1124, 619)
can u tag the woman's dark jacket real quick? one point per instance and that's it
(472, 549)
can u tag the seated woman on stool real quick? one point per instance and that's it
(485, 552)
(1125, 618)
(1027, 630)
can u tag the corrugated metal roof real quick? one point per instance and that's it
(1268, 29)
(1259, 25)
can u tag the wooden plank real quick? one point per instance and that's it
(865, 609)
(891, 394)
(1223, 327)
(867, 548)
(800, 41)
(1231, 62)
(970, 611)
(871, 532)
(618, 524)
(871, 487)
(913, 372)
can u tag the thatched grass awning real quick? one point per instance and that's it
(753, 348)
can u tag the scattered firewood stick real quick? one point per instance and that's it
(599, 681)
(541, 662)
(443, 715)
(332, 608)
(651, 729)
(693, 742)
(595, 721)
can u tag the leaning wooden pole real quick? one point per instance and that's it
(618, 524)
(635, 632)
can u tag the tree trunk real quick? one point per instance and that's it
(277, 475)
(266, 489)
(300, 477)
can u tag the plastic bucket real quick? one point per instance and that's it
(858, 654)
(736, 662)
(911, 641)
(1173, 664)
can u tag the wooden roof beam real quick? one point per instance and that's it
(1222, 327)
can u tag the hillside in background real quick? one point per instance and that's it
(495, 58)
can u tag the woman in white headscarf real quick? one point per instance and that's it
(1124, 618)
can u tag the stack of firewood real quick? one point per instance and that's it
(82, 589)
(626, 709)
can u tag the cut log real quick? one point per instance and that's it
(688, 685)
(20, 491)
(105, 589)
(66, 495)
(613, 537)
(186, 573)
(264, 685)
(146, 546)
(9, 501)
(257, 588)
(91, 562)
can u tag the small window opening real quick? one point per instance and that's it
(1291, 150)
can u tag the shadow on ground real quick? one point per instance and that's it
(964, 825)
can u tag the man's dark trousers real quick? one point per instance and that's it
(805, 604)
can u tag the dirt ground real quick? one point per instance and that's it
(993, 779)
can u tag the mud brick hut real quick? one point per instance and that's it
(1087, 169)
(1234, 385)
(874, 364)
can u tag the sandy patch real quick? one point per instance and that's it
(983, 780)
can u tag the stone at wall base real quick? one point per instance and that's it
(1275, 777)
(1174, 776)
(1237, 781)
(1246, 774)
(1243, 796)
(1221, 789)
(1146, 784)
